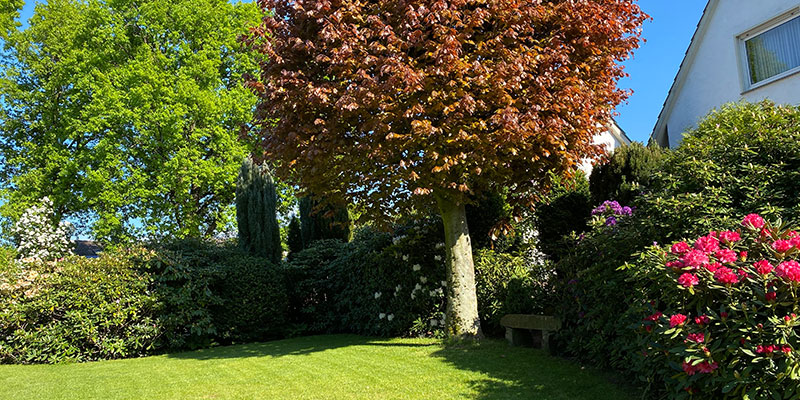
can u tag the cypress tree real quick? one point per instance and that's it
(629, 171)
(323, 222)
(256, 200)
(294, 237)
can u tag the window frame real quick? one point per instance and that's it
(742, 38)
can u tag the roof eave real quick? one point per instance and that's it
(680, 77)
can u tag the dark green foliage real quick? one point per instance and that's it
(345, 287)
(627, 173)
(489, 219)
(294, 237)
(566, 210)
(214, 293)
(323, 221)
(743, 158)
(256, 200)
(510, 284)
(127, 303)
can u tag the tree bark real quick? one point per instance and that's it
(461, 320)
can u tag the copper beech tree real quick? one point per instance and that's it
(392, 104)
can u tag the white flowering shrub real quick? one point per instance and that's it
(39, 237)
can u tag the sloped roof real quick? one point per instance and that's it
(683, 71)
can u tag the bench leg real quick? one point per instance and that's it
(546, 341)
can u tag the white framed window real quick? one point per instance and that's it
(771, 51)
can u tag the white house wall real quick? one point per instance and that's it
(606, 139)
(714, 76)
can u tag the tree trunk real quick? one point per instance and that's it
(461, 321)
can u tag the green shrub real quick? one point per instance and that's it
(214, 293)
(77, 310)
(742, 158)
(323, 221)
(564, 211)
(720, 314)
(135, 302)
(510, 284)
(627, 173)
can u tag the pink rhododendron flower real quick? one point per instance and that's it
(675, 264)
(654, 317)
(707, 244)
(782, 246)
(771, 296)
(676, 320)
(763, 267)
(743, 274)
(680, 248)
(688, 280)
(713, 267)
(702, 320)
(726, 256)
(706, 368)
(786, 349)
(743, 256)
(726, 276)
(753, 221)
(695, 259)
(729, 237)
(696, 337)
(723, 315)
(789, 270)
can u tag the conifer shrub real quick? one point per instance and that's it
(256, 201)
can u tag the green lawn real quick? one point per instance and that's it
(319, 367)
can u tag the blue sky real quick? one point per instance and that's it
(653, 66)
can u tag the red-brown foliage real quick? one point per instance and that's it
(384, 102)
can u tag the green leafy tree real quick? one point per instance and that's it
(9, 12)
(127, 114)
(256, 200)
(398, 105)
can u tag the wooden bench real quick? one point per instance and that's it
(530, 330)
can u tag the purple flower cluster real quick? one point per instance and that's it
(612, 210)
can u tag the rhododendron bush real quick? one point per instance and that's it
(723, 313)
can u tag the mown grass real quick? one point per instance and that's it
(319, 367)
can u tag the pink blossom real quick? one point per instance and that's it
(696, 337)
(654, 317)
(789, 270)
(702, 320)
(743, 256)
(713, 267)
(707, 244)
(782, 246)
(763, 267)
(695, 259)
(706, 368)
(726, 256)
(680, 248)
(729, 237)
(676, 320)
(688, 280)
(753, 221)
(675, 264)
(726, 276)
(771, 296)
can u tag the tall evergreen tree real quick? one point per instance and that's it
(319, 221)
(294, 237)
(255, 211)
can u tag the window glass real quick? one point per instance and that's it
(774, 52)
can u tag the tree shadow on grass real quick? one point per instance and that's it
(514, 373)
(289, 347)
